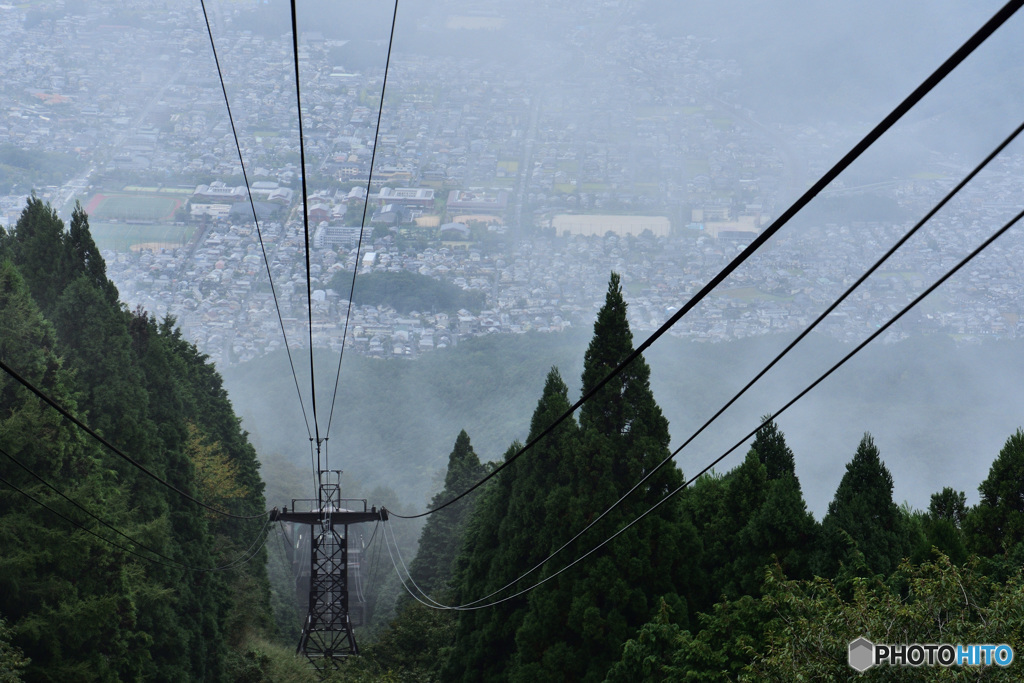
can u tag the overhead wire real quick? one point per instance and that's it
(362, 223)
(305, 225)
(375, 563)
(967, 259)
(117, 451)
(972, 43)
(81, 507)
(398, 551)
(247, 556)
(874, 267)
(255, 218)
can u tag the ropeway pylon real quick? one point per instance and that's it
(327, 635)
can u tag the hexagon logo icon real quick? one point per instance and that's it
(862, 654)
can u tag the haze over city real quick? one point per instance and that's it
(525, 150)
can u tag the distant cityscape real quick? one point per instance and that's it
(492, 181)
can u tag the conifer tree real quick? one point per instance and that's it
(83, 258)
(575, 624)
(996, 524)
(774, 454)
(510, 533)
(442, 534)
(66, 594)
(864, 510)
(143, 387)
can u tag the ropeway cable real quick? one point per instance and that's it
(114, 449)
(362, 223)
(255, 218)
(967, 259)
(305, 225)
(246, 557)
(935, 209)
(972, 43)
(171, 560)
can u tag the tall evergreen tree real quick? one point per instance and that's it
(36, 246)
(509, 534)
(78, 607)
(431, 569)
(83, 257)
(995, 526)
(772, 451)
(863, 510)
(576, 623)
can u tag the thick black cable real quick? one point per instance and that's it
(899, 243)
(362, 223)
(255, 218)
(84, 509)
(114, 449)
(247, 557)
(888, 122)
(305, 225)
(963, 262)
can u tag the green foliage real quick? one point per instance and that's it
(405, 292)
(996, 525)
(12, 661)
(262, 661)
(749, 519)
(863, 511)
(772, 451)
(950, 505)
(941, 528)
(573, 625)
(800, 629)
(442, 533)
(79, 608)
(414, 648)
(814, 623)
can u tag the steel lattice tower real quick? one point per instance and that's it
(327, 635)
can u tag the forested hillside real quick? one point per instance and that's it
(105, 572)
(730, 578)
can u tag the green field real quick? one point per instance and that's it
(122, 236)
(129, 207)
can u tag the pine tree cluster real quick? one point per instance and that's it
(731, 579)
(75, 607)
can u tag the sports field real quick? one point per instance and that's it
(132, 207)
(125, 236)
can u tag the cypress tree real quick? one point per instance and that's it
(772, 451)
(67, 595)
(575, 625)
(90, 611)
(509, 534)
(996, 524)
(83, 258)
(36, 246)
(864, 510)
(442, 534)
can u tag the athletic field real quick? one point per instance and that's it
(132, 207)
(125, 236)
